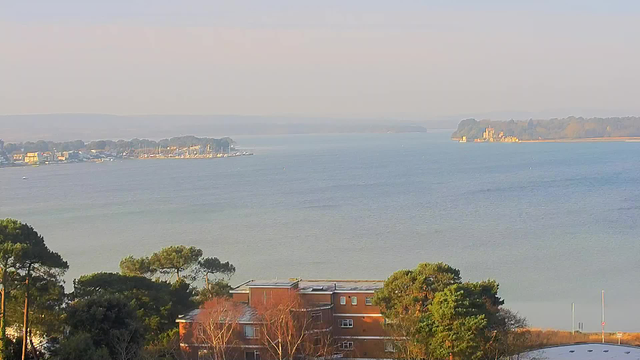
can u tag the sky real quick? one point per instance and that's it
(348, 59)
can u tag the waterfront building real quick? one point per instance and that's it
(18, 156)
(341, 309)
(33, 158)
(488, 134)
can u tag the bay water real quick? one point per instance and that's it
(553, 223)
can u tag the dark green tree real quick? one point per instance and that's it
(213, 266)
(110, 322)
(216, 289)
(404, 301)
(136, 266)
(24, 254)
(459, 320)
(157, 303)
(80, 347)
(11, 250)
(178, 260)
(437, 315)
(46, 307)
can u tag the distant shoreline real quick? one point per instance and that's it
(582, 140)
(570, 129)
(600, 139)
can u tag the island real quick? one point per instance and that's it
(570, 129)
(50, 152)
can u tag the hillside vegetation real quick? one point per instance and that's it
(566, 128)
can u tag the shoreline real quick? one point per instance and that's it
(582, 140)
(602, 139)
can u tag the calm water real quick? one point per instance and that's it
(553, 223)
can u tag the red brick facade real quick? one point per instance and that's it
(343, 310)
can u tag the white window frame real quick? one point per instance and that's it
(343, 300)
(346, 323)
(354, 300)
(368, 300)
(389, 346)
(256, 333)
(346, 345)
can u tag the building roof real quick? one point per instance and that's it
(585, 352)
(309, 286)
(272, 283)
(249, 315)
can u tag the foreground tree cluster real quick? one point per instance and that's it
(125, 316)
(430, 312)
(434, 315)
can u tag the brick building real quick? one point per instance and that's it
(342, 308)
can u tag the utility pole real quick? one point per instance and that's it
(3, 330)
(573, 318)
(26, 321)
(603, 316)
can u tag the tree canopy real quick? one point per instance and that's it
(175, 260)
(26, 259)
(437, 314)
(110, 322)
(137, 266)
(157, 303)
(566, 128)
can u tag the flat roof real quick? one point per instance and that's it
(272, 283)
(584, 352)
(315, 285)
(249, 314)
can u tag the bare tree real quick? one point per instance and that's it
(287, 330)
(217, 326)
(123, 345)
(318, 344)
(509, 337)
(405, 340)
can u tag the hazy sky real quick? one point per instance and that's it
(347, 58)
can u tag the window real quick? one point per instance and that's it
(317, 341)
(316, 317)
(252, 355)
(251, 332)
(368, 301)
(343, 300)
(346, 345)
(346, 323)
(199, 331)
(389, 346)
(354, 300)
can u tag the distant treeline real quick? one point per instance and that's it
(120, 146)
(567, 128)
